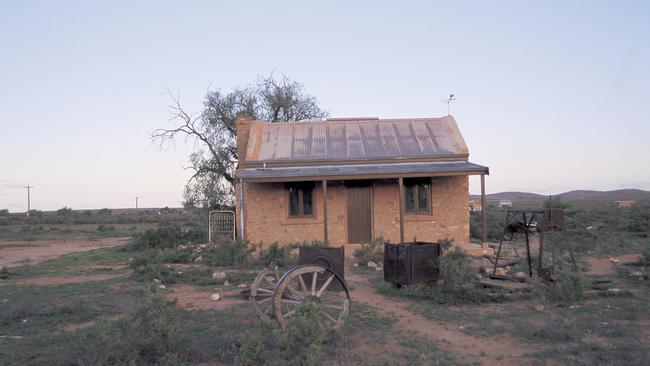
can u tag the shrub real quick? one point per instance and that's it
(104, 212)
(166, 236)
(570, 287)
(104, 228)
(147, 336)
(4, 273)
(64, 211)
(373, 251)
(645, 257)
(298, 344)
(4, 212)
(274, 254)
(228, 253)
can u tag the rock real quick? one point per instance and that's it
(355, 265)
(638, 275)
(478, 277)
(379, 269)
(219, 276)
(520, 276)
(614, 290)
(372, 264)
(199, 259)
(215, 297)
(162, 287)
(242, 285)
(539, 308)
(614, 260)
(500, 271)
(226, 283)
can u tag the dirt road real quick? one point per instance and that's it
(39, 251)
(501, 350)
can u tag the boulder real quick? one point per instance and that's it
(539, 308)
(500, 271)
(226, 283)
(372, 264)
(215, 297)
(219, 276)
(355, 265)
(199, 259)
(520, 276)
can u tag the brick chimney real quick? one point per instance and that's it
(242, 127)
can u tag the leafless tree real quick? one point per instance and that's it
(273, 98)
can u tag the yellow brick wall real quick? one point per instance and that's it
(267, 213)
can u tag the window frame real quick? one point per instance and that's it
(301, 187)
(416, 183)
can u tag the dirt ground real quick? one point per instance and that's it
(40, 251)
(472, 348)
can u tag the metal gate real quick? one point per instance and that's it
(221, 225)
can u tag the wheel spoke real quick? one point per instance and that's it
(313, 283)
(331, 318)
(302, 284)
(294, 292)
(332, 306)
(261, 289)
(288, 314)
(289, 301)
(327, 283)
(267, 299)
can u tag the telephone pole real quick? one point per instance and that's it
(136, 202)
(29, 204)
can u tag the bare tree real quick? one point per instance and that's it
(272, 98)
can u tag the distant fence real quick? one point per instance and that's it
(221, 225)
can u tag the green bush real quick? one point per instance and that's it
(4, 212)
(373, 251)
(298, 344)
(569, 288)
(645, 257)
(105, 228)
(4, 273)
(166, 236)
(274, 254)
(228, 253)
(147, 336)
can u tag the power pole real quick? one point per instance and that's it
(136, 202)
(29, 204)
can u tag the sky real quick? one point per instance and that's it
(551, 95)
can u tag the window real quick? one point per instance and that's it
(301, 200)
(418, 196)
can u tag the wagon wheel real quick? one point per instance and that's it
(262, 292)
(317, 285)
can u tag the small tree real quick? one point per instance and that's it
(4, 212)
(274, 99)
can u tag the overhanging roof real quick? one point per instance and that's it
(361, 171)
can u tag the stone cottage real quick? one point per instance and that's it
(348, 180)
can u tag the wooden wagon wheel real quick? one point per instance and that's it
(317, 285)
(262, 292)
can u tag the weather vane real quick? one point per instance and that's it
(448, 101)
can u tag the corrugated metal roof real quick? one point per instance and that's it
(361, 170)
(355, 139)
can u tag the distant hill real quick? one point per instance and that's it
(616, 195)
(578, 195)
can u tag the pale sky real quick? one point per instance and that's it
(552, 96)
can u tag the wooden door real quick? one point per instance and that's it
(359, 221)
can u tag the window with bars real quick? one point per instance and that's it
(418, 196)
(301, 200)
